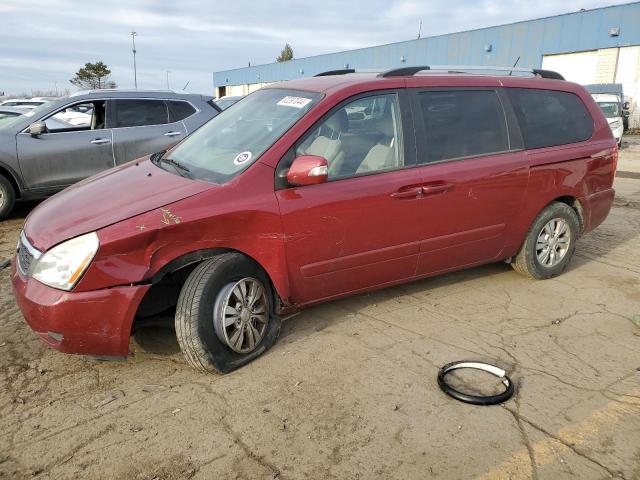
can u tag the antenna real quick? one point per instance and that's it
(419, 29)
(186, 85)
(514, 65)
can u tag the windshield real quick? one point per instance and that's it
(7, 121)
(33, 114)
(610, 109)
(236, 138)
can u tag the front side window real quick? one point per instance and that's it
(237, 137)
(462, 123)
(549, 117)
(139, 113)
(79, 116)
(363, 136)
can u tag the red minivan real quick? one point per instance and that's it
(314, 189)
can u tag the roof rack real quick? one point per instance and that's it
(410, 71)
(120, 90)
(343, 71)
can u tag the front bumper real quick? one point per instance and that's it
(96, 323)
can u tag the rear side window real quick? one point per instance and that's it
(548, 117)
(179, 110)
(138, 113)
(462, 123)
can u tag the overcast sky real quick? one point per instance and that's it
(44, 42)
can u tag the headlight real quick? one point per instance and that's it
(615, 124)
(63, 265)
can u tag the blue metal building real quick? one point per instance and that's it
(587, 30)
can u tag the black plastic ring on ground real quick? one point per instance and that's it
(476, 399)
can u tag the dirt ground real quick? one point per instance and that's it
(350, 389)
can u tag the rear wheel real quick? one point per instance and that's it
(550, 243)
(7, 197)
(224, 317)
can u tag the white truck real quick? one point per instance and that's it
(611, 106)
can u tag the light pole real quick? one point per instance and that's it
(168, 72)
(135, 73)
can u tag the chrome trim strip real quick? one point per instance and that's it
(36, 254)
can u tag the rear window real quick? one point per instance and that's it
(179, 110)
(138, 113)
(463, 123)
(548, 117)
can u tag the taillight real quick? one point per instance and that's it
(614, 158)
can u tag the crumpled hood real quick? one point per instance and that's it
(104, 199)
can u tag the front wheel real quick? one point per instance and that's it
(224, 317)
(550, 243)
(7, 197)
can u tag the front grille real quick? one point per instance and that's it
(26, 255)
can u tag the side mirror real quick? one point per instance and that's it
(37, 128)
(308, 170)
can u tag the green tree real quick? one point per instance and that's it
(285, 54)
(93, 76)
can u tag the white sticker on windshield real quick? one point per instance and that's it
(241, 158)
(296, 102)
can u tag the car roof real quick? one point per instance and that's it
(139, 93)
(375, 81)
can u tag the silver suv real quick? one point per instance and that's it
(62, 142)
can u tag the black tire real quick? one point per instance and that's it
(201, 346)
(7, 197)
(526, 261)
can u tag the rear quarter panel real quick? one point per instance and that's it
(582, 171)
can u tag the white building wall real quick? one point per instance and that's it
(236, 90)
(628, 74)
(579, 67)
(607, 65)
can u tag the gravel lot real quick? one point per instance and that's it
(349, 391)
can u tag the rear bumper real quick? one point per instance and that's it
(87, 323)
(596, 208)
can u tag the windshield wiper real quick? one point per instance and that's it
(182, 169)
(159, 158)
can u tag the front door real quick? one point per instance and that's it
(75, 146)
(474, 176)
(360, 229)
(141, 127)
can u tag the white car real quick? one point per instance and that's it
(74, 117)
(612, 109)
(21, 102)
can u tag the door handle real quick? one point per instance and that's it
(172, 134)
(413, 192)
(100, 141)
(432, 189)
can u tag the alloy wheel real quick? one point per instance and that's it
(241, 315)
(553, 242)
